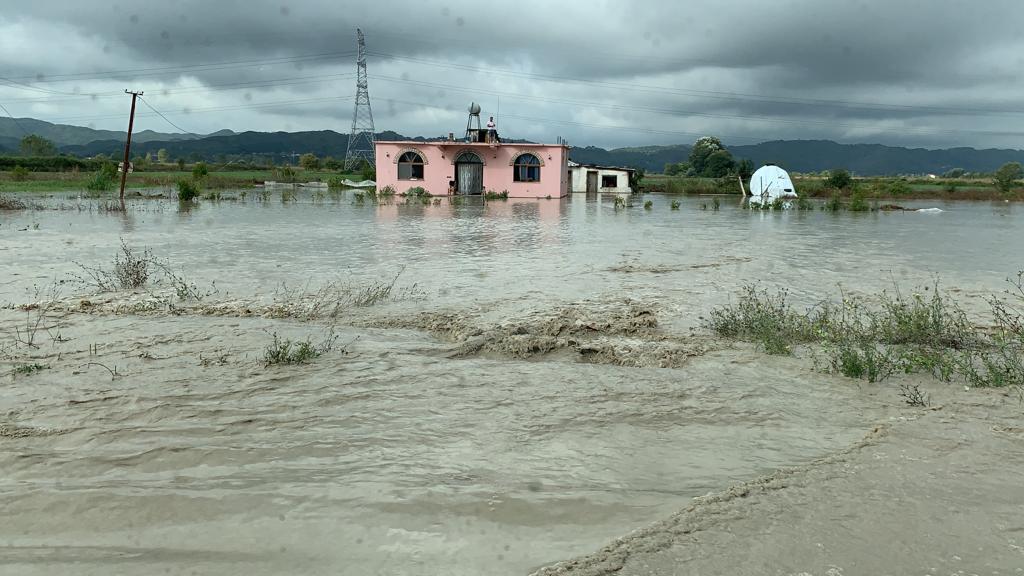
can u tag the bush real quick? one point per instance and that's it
(387, 191)
(99, 182)
(675, 205)
(1007, 176)
(491, 195)
(19, 173)
(285, 351)
(188, 190)
(284, 174)
(858, 203)
(766, 319)
(838, 179)
(648, 205)
(200, 171)
(899, 188)
(309, 161)
(834, 204)
(417, 191)
(368, 172)
(803, 203)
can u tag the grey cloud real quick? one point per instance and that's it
(745, 69)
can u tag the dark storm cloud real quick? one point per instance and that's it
(934, 73)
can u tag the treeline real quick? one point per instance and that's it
(49, 163)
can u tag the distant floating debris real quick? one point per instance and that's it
(361, 184)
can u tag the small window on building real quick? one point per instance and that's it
(609, 181)
(526, 169)
(410, 166)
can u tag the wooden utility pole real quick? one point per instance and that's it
(128, 143)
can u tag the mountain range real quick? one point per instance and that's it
(794, 155)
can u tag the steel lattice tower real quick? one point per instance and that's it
(361, 138)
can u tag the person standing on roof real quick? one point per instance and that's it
(492, 132)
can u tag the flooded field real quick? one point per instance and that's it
(511, 384)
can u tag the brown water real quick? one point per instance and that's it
(537, 385)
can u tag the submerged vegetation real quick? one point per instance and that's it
(133, 269)
(874, 338)
(287, 351)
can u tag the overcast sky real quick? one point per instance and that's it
(930, 73)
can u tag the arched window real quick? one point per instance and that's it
(410, 166)
(526, 168)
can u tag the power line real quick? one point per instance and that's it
(114, 74)
(16, 123)
(218, 108)
(148, 105)
(270, 83)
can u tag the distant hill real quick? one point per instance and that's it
(818, 155)
(794, 155)
(873, 159)
(276, 145)
(65, 134)
(650, 158)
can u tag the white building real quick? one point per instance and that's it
(591, 179)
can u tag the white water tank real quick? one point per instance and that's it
(769, 183)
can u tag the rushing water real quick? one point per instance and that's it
(397, 456)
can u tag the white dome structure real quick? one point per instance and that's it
(770, 183)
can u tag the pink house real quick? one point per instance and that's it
(474, 167)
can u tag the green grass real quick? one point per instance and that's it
(766, 319)
(875, 337)
(43, 182)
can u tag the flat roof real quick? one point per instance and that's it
(598, 167)
(462, 143)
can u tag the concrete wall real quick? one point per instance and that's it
(439, 167)
(579, 179)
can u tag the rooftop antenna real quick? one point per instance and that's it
(361, 137)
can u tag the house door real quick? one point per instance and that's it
(469, 173)
(570, 181)
(592, 182)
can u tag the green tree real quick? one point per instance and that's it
(181, 164)
(677, 168)
(838, 179)
(635, 178)
(199, 171)
(332, 164)
(702, 150)
(1007, 176)
(309, 161)
(162, 156)
(745, 168)
(368, 172)
(718, 164)
(33, 145)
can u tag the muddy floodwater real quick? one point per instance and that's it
(534, 384)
